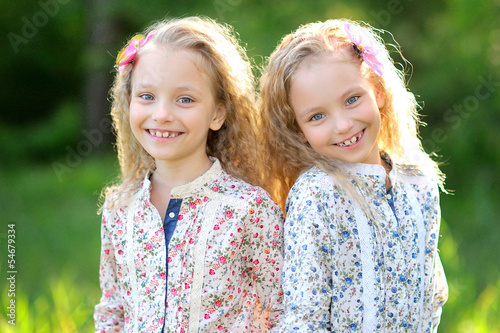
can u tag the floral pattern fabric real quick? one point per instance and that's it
(226, 229)
(345, 272)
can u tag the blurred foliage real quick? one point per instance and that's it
(55, 162)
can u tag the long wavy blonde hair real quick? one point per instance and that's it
(286, 156)
(230, 71)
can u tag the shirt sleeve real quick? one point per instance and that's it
(109, 314)
(440, 293)
(438, 284)
(308, 262)
(264, 233)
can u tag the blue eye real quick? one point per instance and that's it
(351, 100)
(147, 97)
(317, 116)
(185, 100)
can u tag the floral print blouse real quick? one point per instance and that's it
(221, 271)
(345, 272)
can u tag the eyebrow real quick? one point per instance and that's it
(315, 108)
(148, 85)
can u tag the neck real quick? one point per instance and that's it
(169, 174)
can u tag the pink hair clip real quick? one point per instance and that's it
(366, 45)
(128, 53)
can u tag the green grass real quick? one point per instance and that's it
(57, 253)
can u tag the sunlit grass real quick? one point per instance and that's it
(64, 308)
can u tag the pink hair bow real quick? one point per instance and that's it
(366, 45)
(128, 53)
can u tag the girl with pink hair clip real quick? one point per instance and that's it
(188, 245)
(362, 197)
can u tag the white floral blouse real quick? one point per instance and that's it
(344, 272)
(221, 271)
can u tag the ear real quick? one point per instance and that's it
(219, 117)
(379, 95)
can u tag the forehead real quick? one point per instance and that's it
(158, 61)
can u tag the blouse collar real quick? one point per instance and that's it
(197, 185)
(369, 170)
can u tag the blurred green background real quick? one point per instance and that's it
(57, 154)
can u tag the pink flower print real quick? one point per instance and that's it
(251, 210)
(198, 201)
(215, 189)
(220, 328)
(120, 252)
(229, 214)
(180, 217)
(267, 251)
(274, 243)
(211, 272)
(149, 246)
(174, 291)
(187, 286)
(216, 227)
(106, 252)
(256, 262)
(258, 200)
(108, 294)
(161, 320)
(192, 204)
(240, 230)
(147, 290)
(205, 199)
(256, 235)
(119, 232)
(146, 203)
(222, 260)
(191, 241)
(277, 227)
(218, 303)
(163, 275)
(178, 247)
(207, 316)
(127, 319)
(169, 259)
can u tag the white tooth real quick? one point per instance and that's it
(158, 134)
(165, 135)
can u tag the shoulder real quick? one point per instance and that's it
(415, 177)
(119, 198)
(238, 190)
(312, 181)
(313, 188)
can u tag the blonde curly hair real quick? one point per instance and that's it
(230, 71)
(286, 155)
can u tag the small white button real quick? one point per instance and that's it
(172, 214)
(389, 197)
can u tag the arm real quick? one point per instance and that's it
(308, 263)
(108, 315)
(440, 292)
(438, 285)
(265, 260)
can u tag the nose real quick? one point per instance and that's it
(342, 123)
(162, 113)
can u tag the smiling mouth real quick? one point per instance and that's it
(351, 141)
(160, 134)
